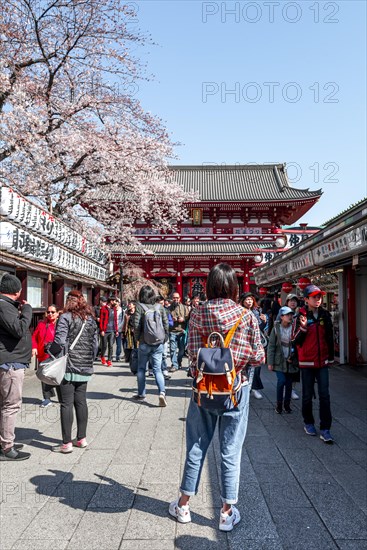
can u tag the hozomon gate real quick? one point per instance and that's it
(238, 218)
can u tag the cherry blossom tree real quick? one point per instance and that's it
(71, 133)
(134, 279)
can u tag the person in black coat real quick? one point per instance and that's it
(15, 356)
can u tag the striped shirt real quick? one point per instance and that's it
(220, 315)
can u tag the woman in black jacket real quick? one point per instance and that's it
(77, 316)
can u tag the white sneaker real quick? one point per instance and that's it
(162, 400)
(228, 521)
(294, 395)
(181, 513)
(256, 394)
(166, 375)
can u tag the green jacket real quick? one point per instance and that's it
(275, 355)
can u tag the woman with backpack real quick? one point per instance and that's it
(151, 331)
(220, 314)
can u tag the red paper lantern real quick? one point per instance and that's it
(303, 282)
(263, 291)
(287, 287)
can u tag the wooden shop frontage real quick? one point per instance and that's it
(49, 257)
(335, 259)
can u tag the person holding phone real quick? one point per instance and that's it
(315, 346)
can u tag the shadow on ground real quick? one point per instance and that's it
(103, 494)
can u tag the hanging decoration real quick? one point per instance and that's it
(303, 282)
(287, 287)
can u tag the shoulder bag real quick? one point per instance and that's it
(52, 371)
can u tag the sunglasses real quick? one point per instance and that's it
(51, 312)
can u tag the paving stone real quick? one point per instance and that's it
(355, 425)
(162, 462)
(256, 523)
(269, 544)
(97, 456)
(282, 495)
(99, 529)
(352, 544)
(344, 516)
(302, 528)
(359, 456)
(42, 544)
(262, 450)
(113, 495)
(305, 465)
(276, 472)
(106, 438)
(13, 522)
(150, 544)
(149, 519)
(54, 521)
(199, 537)
(119, 488)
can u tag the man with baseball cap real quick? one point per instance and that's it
(15, 356)
(315, 346)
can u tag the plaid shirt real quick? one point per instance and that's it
(220, 315)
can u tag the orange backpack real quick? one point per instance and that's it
(217, 385)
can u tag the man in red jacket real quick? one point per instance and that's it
(315, 347)
(108, 327)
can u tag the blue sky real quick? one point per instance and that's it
(297, 72)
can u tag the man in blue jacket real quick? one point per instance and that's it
(15, 356)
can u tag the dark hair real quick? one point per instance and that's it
(131, 303)
(222, 282)
(195, 295)
(245, 295)
(159, 298)
(78, 307)
(147, 295)
(265, 304)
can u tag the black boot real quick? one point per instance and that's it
(287, 407)
(278, 408)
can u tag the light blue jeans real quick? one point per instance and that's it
(200, 428)
(154, 355)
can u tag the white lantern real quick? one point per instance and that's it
(281, 241)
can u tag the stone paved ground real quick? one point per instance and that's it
(296, 492)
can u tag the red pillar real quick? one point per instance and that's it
(246, 276)
(351, 315)
(179, 284)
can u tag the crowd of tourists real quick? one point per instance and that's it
(226, 338)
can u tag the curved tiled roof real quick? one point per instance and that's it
(263, 182)
(193, 248)
(237, 183)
